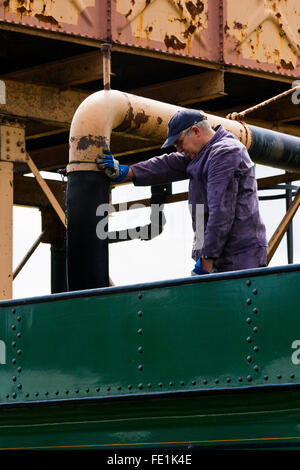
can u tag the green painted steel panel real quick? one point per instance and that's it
(235, 420)
(204, 343)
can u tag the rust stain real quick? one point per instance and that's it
(237, 25)
(140, 118)
(180, 6)
(50, 11)
(148, 31)
(190, 30)
(22, 10)
(173, 42)
(87, 141)
(226, 28)
(193, 9)
(132, 121)
(46, 19)
(126, 124)
(286, 66)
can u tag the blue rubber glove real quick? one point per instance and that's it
(198, 269)
(112, 167)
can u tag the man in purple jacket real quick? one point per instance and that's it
(222, 179)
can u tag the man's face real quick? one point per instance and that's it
(190, 142)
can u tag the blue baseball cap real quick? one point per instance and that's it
(179, 122)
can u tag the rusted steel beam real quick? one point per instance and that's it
(188, 90)
(27, 192)
(50, 158)
(131, 205)
(280, 110)
(45, 103)
(106, 50)
(56, 206)
(283, 227)
(70, 71)
(270, 181)
(6, 229)
(265, 104)
(262, 183)
(54, 105)
(257, 120)
(56, 157)
(28, 255)
(12, 141)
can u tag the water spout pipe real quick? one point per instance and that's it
(90, 133)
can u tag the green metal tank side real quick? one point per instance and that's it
(206, 361)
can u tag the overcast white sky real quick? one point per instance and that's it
(166, 257)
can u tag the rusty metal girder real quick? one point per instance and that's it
(27, 192)
(263, 34)
(6, 233)
(80, 17)
(48, 104)
(256, 35)
(12, 141)
(70, 71)
(55, 105)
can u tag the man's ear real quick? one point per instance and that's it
(196, 130)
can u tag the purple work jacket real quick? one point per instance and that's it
(222, 178)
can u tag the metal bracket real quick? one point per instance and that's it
(12, 141)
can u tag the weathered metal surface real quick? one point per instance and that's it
(92, 125)
(70, 71)
(127, 343)
(47, 191)
(174, 26)
(263, 35)
(79, 17)
(6, 212)
(12, 142)
(27, 192)
(52, 104)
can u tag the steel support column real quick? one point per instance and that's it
(6, 229)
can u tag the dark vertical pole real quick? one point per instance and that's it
(58, 267)
(289, 234)
(106, 49)
(87, 253)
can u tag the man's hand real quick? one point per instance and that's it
(112, 167)
(207, 264)
(199, 269)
